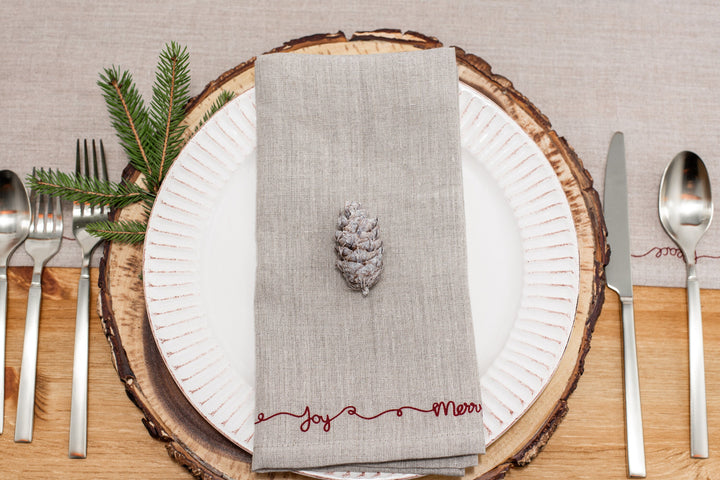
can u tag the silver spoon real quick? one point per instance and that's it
(14, 225)
(686, 209)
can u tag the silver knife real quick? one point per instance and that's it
(619, 279)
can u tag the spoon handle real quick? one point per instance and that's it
(3, 319)
(698, 409)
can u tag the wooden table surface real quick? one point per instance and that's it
(589, 443)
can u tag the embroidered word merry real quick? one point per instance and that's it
(438, 408)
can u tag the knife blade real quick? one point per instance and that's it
(619, 279)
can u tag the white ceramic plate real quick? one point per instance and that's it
(199, 268)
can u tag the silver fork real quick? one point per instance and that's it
(83, 215)
(43, 241)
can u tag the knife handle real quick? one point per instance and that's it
(633, 414)
(698, 409)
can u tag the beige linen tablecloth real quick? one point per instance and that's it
(647, 68)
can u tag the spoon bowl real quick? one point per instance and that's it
(14, 214)
(14, 226)
(685, 202)
(686, 210)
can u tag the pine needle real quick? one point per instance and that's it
(223, 99)
(132, 231)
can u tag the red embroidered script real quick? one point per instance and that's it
(438, 408)
(658, 252)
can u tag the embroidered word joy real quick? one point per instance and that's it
(438, 408)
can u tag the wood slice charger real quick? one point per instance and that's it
(191, 441)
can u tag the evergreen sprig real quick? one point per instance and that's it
(152, 138)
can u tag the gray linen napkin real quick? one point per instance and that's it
(387, 382)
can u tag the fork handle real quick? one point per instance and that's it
(3, 317)
(78, 412)
(26, 391)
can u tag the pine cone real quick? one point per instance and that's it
(359, 247)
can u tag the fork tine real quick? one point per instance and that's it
(95, 160)
(86, 172)
(48, 219)
(33, 207)
(39, 212)
(84, 207)
(103, 162)
(34, 223)
(77, 157)
(42, 210)
(58, 215)
(93, 209)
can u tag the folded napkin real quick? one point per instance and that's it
(383, 382)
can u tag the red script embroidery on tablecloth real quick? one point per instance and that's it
(658, 252)
(438, 408)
